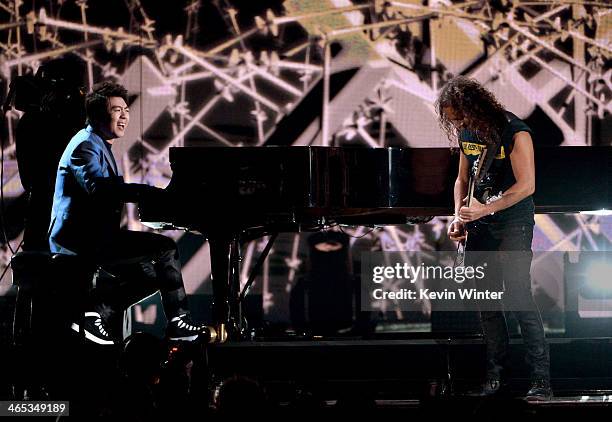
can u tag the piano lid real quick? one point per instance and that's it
(568, 179)
(259, 185)
(573, 179)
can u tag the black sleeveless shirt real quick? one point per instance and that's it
(500, 176)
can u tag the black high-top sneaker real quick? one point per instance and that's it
(94, 329)
(182, 328)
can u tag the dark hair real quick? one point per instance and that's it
(96, 102)
(68, 69)
(484, 115)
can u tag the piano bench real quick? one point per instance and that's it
(52, 292)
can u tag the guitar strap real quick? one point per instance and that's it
(490, 155)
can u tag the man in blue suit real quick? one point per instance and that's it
(85, 221)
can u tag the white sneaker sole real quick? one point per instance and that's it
(91, 337)
(187, 338)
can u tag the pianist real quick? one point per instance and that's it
(500, 218)
(85, 221)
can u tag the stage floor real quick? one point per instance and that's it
(412, 374)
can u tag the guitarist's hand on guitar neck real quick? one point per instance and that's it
(474, 211)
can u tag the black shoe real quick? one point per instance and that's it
(181, 328)
(94, 329)
(539, 390)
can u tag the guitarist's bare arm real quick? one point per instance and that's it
(456, 230)
(523, 167)
(461, 183)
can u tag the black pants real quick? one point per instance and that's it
(507, 251)
(135, 265)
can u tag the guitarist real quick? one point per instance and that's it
(498, 218)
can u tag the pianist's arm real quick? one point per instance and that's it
(88, 171)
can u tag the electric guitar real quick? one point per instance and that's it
(476, 174)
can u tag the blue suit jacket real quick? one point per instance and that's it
(84, 218)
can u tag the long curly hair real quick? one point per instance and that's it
(481, 112)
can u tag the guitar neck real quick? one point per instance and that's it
(470, 192)
(474, 176)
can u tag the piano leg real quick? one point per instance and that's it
(220, 248)
(225, 274)
(237, 323)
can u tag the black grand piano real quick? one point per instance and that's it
(232, 195)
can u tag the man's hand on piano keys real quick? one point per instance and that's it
(152, 192)
(137, 192)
